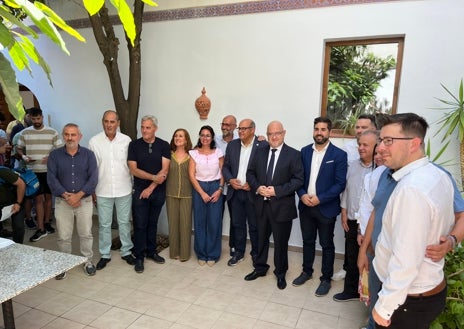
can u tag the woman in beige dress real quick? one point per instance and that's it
(179, 197)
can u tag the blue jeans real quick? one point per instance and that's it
(105, 217)
(313, 222)
(207, 223)
(145, 213)
(243, 211)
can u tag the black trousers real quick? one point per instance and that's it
(417, 312)
(266, 225)
(351, 258)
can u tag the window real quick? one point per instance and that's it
(361, 77)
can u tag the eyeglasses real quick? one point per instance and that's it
(276, 134)
(387, 141)
(149, 148)
(243, 128)
(205, 136)
(227, 124)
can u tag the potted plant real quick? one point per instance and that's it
(453, 315)
(453, 120)
(349, 123)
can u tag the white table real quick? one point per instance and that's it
(24, 267)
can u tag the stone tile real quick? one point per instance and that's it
(199, 317)
(311, 319)
(233, 321)
(147, 322)
(217, 300)
(86, 312)
(168, 309)
(281, 314)
(115, 318)
(60, 323)
(60, 304)
(33, 319)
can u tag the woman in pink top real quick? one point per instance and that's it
(205, 168)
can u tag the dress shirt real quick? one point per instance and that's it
(276, 156)
(221, 143)
(351, 197)
(351, 149)
(114, 178)
(419, 211)
(245, 153)
(371, 181)
(72, 173)
(315, 166)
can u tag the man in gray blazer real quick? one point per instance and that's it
(274, 175)
(239, 154)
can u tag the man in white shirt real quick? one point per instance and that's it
(418, 212)
(114, 187)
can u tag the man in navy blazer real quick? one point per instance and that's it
(274, 188)
(325, 168)
(239, 197)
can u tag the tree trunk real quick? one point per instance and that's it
(108, 43)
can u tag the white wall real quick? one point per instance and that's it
(264, 66)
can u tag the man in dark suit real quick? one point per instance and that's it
(325, 167)
(274, 175)
(238, 155)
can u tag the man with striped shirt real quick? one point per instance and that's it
(34, 146)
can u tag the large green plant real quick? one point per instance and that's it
(453, 315)
(453, 120)
(15, 41)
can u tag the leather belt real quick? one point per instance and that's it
(431, 292)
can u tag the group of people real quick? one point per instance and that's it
(396, 207)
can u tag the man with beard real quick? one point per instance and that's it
(228, 126)
(34, 146)
(72, 177)
(325, 168)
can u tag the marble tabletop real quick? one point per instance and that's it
(23, 267)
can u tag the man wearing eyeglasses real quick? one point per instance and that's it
(274, 175)
(325, 169)
(148, 160)
(238, 155)
(418, 212)
(229, 133)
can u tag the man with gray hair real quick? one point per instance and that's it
(148, 160)
(114, 189)
(72, 177)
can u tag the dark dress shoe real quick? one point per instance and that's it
(253, 276)
(139, 268)
(156, 258)
(129, 259)
(281, 283)
(102, 263)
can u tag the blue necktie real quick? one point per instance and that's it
(270, 168)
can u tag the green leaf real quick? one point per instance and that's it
(12, 19)
(126, 17)
(6, 40)
(150, 3)
(58, 21)
(93, 6)
(43, 23)
(10, 88)
(19, 57)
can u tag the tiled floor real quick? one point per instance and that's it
(181, 296)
